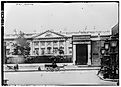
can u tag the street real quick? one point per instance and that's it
(83, 77)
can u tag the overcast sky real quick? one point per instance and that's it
(40, 17)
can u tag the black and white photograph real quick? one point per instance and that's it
(60, 43)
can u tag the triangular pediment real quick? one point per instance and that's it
(48, 34)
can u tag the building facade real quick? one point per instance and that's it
(82, 47)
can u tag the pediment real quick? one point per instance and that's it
(48, 34)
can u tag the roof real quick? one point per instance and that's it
(115, 29)
(48, 31)
(59, 34)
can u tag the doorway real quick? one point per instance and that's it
(81, 54)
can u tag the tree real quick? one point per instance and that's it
(21, 47)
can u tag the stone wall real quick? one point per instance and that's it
(96, 46)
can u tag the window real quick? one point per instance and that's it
(42, 43)
(55, 43)
(36, 43)
(61, 50)
(7, 51)
(61, 43)
(70, 50)
(42, 51)
(55, 50)
(7, 44)
(36, 51)
(28, 44)
(48, 43)
(49, 50)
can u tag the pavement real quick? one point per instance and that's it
(32, 67)
(61, 78)
(70, 75)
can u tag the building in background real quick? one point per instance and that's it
(83, 48)
(115, 33)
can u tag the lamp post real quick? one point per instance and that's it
(107, 59)
(106, 46)
(102, 50)
(102, 53)
(113, 44)
(107, 56)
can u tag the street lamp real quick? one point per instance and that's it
(102, 51)
(106, 45)
(113, 44)
(106, 59)
(102, 58)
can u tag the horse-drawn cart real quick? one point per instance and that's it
(51, 67)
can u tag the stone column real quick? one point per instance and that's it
(65, 47)
(52, 47)
(33, 53)
(58, 47)
(39, 48)
(45, 47)
(31, 47)
(74, 54)
(89, 54)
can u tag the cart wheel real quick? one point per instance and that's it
(52, 69)
(58, 68)
(47, 69)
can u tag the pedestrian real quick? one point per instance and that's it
(17, 67)
(39, 69)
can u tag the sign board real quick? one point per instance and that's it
(88, 42)
(81, 37)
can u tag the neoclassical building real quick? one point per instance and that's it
(82, 47)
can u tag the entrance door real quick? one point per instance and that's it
(81, 54)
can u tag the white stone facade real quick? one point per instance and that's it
(48, 43)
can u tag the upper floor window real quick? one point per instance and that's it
(36, 43)
(48, 43)
(55, 50)
(43, 43)
(42, 51)
(7, 44)
(48, 50)
(37, 51)
(7, 51)
(61, 43)
(70, 50)
(55, 43)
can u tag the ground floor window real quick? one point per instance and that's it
(7, 51)
(37, 51)
(55, 50)
(48, 50)
(70, 50)
(42, 51)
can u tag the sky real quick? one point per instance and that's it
(68, 17)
